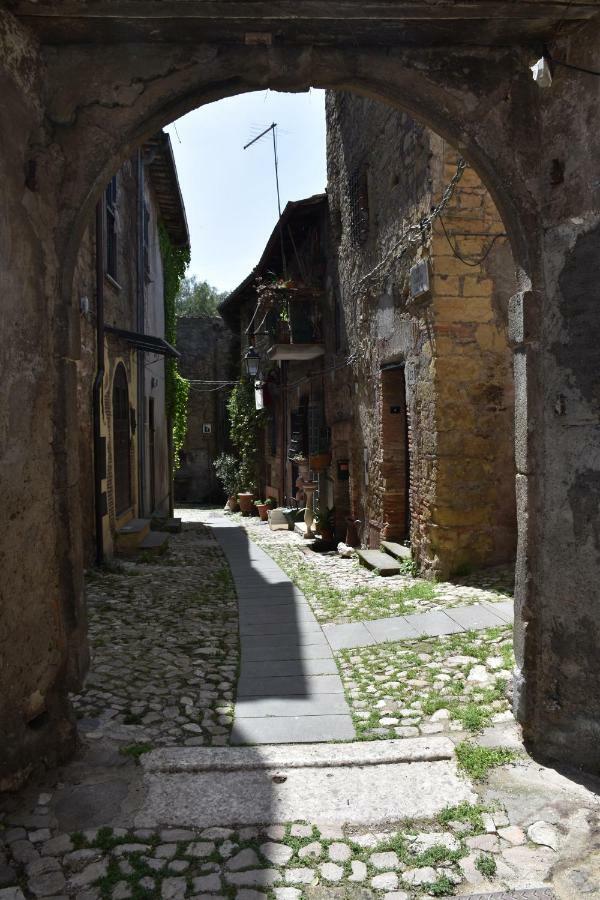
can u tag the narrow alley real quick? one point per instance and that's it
(127, 819)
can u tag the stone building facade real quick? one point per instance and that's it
(287, 325)
(209, 355)
(430, 393)
(133, 452)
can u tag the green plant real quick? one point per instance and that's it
(325, 517)
(486, 864)
(227, 468)
(270, 503)
(408, 567)
(135, 750)
(477, 761)
(245, 423)
(443, 887)
(260, 502)
(175, 261)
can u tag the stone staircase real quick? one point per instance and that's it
(386, 563)
(136, 537)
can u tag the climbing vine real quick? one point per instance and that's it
(177, 388)
(245, 423)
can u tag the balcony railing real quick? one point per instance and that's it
(295, 324)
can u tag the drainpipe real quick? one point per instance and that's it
(140, 327)
(99, 447)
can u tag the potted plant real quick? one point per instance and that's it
(246, 500)
(325, 522)
(227, 468)
(319, 461)
(262, 509)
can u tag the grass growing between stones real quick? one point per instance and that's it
(477, 761)
(455, 682)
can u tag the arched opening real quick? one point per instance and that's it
(121, 426)
(467, 95)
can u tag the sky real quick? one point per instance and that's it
(229, 193)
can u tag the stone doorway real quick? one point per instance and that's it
(121, 443)
(395, 432)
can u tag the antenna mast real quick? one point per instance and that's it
(273, 128)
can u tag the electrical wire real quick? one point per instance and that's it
(477, 262)
(565, 65)
(416, 234)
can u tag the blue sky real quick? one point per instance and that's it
(229, 193)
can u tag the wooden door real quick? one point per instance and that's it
(121, 441)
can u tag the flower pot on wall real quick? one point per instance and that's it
(246, 499)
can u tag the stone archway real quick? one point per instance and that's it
(76, 106)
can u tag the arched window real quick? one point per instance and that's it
(121, 441)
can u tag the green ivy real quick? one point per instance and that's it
(175, 261)
(245, 424)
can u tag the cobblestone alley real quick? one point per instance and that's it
(140, 813)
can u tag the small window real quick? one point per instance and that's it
(111, 228)
(358, 189)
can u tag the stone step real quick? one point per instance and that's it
(129, 536)
(375, 559)
(340, 783)
(399, 551)
(155, 542)
(173, 526)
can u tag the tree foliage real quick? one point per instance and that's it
(245, 424)
(197, 298)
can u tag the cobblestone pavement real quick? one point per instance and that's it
(165, 659)
(455, 683)
(341, 590)
(164, 639)
(468, 847)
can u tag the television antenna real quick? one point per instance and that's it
(273, 129)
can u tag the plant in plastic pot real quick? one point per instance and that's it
(325, 523)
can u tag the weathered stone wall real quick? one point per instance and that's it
(453, 348)
(43, 648)
(207, 350)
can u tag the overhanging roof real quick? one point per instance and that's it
(163, 174)
(146, 342)
(295, 211)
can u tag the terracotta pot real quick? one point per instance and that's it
(245, 500)
(326, 535)
(233, 504)
(262, 509)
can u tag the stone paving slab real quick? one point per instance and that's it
(475, 617)
(346, 794)
(352, 634)
(533, 894)
(284, 706)
(287, 686)
(292, 730)
(432, 748)
(291, 627)
(278, 705)
(288, 667)
(298, 652)
(393, 629)
(429, 624)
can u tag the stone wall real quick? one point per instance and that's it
(385, 173)
(208, 353)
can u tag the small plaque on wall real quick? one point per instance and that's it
(343, 470)
(206, 429)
